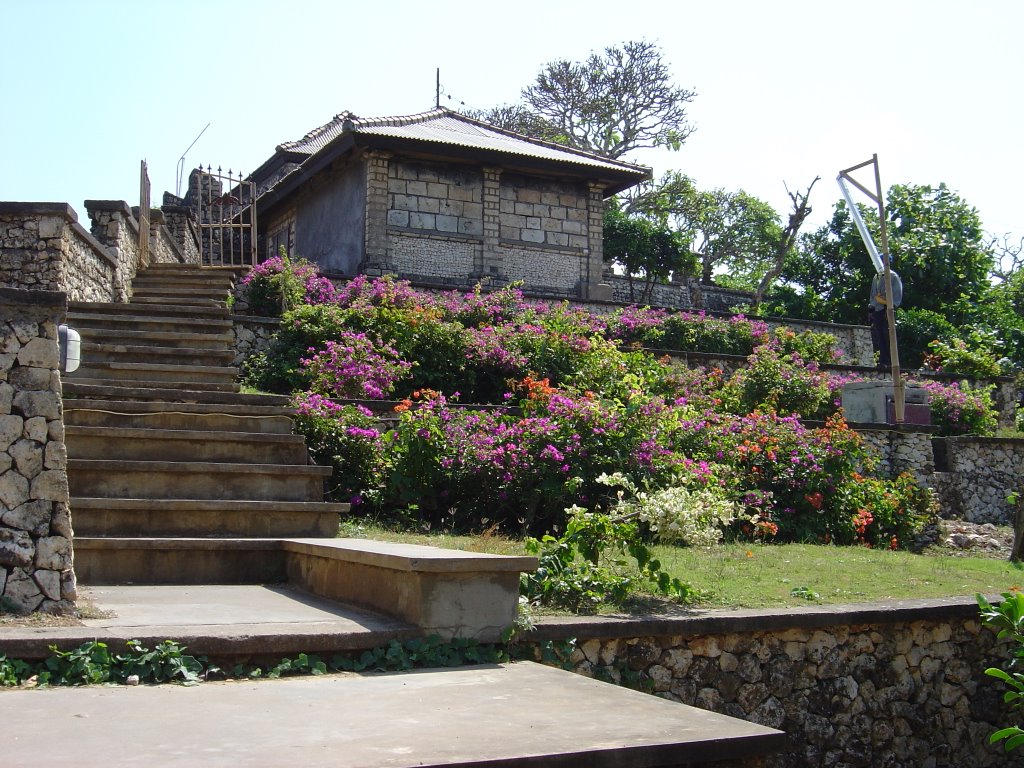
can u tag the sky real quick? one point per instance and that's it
(786, 90)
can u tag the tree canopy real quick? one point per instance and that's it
(612, 103)
(937, 244)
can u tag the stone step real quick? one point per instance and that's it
(119, 479)
(135, 353)
(129, 337)
(188, 517)
(151, 414)
(151, 444)
(187, 388)
(145, 300)
(165, 392)
(193, 270)
(171, 293)
(161, 322)
(153, 560)
(109, 310)
(182, 375)
(145, 280)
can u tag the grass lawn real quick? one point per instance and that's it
(780, 575)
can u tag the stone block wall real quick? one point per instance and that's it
(435, 198)
(43, 247)
(182, 228)
(975, 474)
(116, 228)
(899, 684)
(901, 449)
(36, 562)
(544, 212)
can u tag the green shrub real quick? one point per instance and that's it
(916, 329)
(783, 383)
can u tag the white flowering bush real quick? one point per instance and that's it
(693, 516)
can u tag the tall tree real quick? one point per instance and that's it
(646, 249)
(937, 247)
(734, 234)
(616, 101)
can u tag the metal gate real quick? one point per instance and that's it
(226, 214)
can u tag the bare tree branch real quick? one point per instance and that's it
(801, 210)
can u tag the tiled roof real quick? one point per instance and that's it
(442, 126)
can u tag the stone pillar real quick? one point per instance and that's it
(375, 246)
(593, 287)
(491, 262)
(36, 564)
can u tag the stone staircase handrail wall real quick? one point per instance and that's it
(36, 570)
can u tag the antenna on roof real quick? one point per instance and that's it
(438, 90)
(181, 163)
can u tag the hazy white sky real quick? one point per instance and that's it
(787, 90)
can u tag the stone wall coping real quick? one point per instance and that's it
(984, 440)
(865, 426)
(433, 234)
(274, 321)
(120, 206)
(409, 557)
(22, 297)
(42, 209)
(526, 245)
(709, 622)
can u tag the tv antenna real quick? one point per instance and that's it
(881, 262)
(179, 174)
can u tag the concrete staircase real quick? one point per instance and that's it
(174, 474)
(177, 478)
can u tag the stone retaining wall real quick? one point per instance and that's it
(36, 570)
(44, 248)
(890, 684)
(901, 449)
(975, 474)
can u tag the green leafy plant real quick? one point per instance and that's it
(588, 565)
(1007, 618)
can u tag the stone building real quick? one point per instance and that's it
(440, 197)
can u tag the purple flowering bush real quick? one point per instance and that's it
(347, 438)
(575, 400)
(354, 367)
(279, 284)
(959, 409)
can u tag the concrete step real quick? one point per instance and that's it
(183, 375)
(146, 414)
(187, 517)
(212, 272)
(133, 338)
(172, 293)
(143, 301)
(122, 479)
(150, 444)
(145, 282)
(161, 322)
(152, 560)
(165, 392)
(135, 353)
(105, 309)
(183, 388)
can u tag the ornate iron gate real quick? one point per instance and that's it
(226, 214)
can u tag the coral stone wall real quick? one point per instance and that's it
(36, 571)
(43, 247)
(975, 474)
(898, 684)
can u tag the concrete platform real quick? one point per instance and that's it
(232, 621)
(497, 716)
